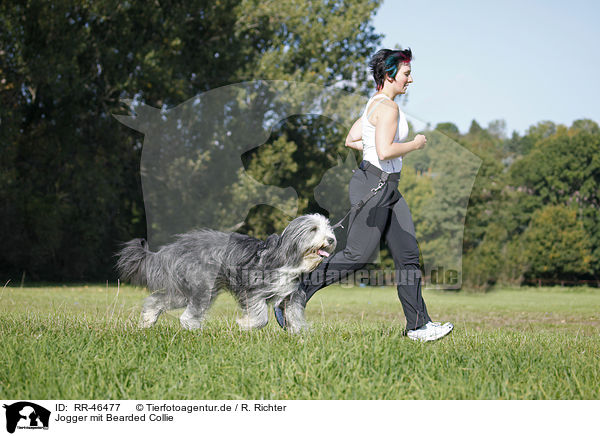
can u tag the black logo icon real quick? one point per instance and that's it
(26, 415)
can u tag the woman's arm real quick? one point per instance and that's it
(385, 131)
(354, 138)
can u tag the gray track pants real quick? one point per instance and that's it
(385, 215)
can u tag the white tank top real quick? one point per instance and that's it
(368, 137)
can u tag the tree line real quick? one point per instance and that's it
(70, 184)
(533, 215)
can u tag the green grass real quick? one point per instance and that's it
(83, 343)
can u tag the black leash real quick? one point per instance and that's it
(383, 178)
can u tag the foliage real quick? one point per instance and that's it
(70, 182)
(556, 244)
(563, 168)
(551, 165)
(70, 185)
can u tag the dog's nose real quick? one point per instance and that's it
(330, 241)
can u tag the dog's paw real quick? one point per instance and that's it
(148, 319)
(190, 323)
(248, 323)
(145, 324)
(245, 323)
(299, 328)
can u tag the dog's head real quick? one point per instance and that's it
(307, 240)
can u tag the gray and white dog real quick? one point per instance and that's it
(191, 271)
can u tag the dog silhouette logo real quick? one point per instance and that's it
(26, 415)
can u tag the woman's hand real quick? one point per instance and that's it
(419, 142)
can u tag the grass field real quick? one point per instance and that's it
(83, 343)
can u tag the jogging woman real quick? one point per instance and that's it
(379, 210)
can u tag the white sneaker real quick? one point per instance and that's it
(430, 331)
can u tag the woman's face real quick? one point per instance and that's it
(403, 78)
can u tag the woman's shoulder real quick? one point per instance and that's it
(391, 103)
(389, 106)
(385, 101)
(381, 106)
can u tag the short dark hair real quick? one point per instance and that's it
(386, 61)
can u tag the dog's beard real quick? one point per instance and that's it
(310, 262)
(313, 257)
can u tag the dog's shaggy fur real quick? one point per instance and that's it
(191, 271)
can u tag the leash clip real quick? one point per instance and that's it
(378, 187)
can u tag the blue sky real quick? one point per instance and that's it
(521, 61)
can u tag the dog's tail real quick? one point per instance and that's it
(133, 260)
